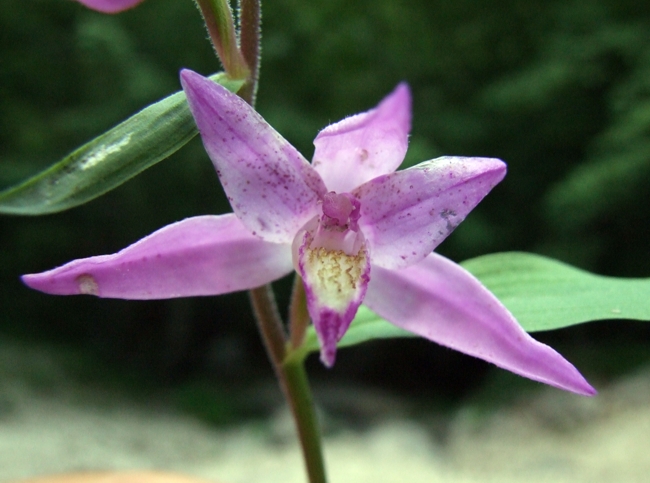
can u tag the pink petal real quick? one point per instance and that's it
(405, 215)
(271, 187)
(440, 301)
(110, 6)
(205, 255)
(366, 145)
(335, 284)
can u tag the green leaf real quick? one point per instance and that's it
(366, 326)
(543, 294)
(109, 160)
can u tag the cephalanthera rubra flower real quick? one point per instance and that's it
(352, 227)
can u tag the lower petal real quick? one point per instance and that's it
(335, 284)
(440, 301)
(205, 255)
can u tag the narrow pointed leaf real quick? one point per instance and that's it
(542, 294)
(109, 160)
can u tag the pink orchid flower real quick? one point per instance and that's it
(110, 6)
(353, 228)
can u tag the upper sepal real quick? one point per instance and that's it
(273, 190)
(366, 145)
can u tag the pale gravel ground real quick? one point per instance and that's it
(555, 437)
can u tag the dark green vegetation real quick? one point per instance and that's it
(559, 90)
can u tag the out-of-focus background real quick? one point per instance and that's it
(558, 89)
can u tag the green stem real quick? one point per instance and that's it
(286, 357)
(290, 371)
(219, 23)
(250, 34)
(269, 323)
(298, 315)
(298, 393)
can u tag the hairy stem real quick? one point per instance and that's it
(269, 323)
(219, 23)
(298, 393)
(298, 315)
(287, 360)
(290, 370)
(250, 34)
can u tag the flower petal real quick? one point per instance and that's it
(110, 6)
(272, 189)
(440, 301)
(335, 284)
(205, 255)
(405, 215)
(366, 145)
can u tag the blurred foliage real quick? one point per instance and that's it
(558, 89)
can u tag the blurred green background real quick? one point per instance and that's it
(558, 89)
